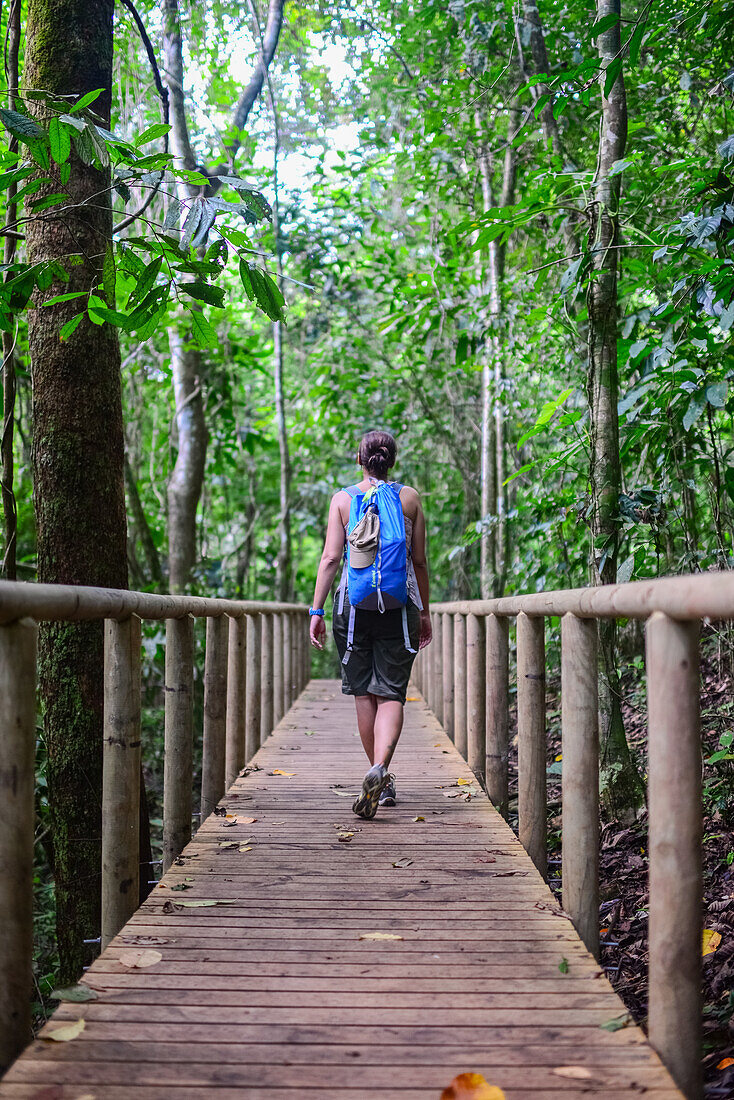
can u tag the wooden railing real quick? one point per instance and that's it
(257, 662)
(464, 677)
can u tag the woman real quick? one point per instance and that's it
(378, 652)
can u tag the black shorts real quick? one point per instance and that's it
(379, 663)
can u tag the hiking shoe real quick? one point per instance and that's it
(372, 786)
(388, 797)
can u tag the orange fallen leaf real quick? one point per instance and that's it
(138, 960)
(577, 1073)
(711, 941)
(231, 817)
(380, 936)
(472, 1086)
(725, 1063)
(66, 1033)
(279, 771)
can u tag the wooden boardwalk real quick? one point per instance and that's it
(272, 992)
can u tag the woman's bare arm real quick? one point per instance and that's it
(330, 559)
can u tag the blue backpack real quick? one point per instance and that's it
(384, 584)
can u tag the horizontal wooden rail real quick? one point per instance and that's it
(474, 702)
(257, 662)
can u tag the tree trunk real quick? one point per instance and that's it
(10, 512)
(139, 522)
(620, 786)
(78, 471)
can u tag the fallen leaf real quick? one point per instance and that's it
(563, 965)
(577, 1073)
(272, 822)
(245, 848)
(725, 1063)
(181, 886)
(66, 1033)
(229, 824)
(711, 941)
(75, 993)
(344, 837)
(402, 862)
(461, 782)
(617, 1022)
(412, 699)
(231, 817)
(279, 771)
(451, 794)
(380, 936)
(472, 1086)
(138, 960)
(344, 794)
(228, 844)
(419, 818)
(200, 903)
(310, 733)
(252, 820)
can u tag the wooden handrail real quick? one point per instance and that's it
(673, 608)
(249, 680)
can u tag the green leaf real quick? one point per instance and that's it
(610, 76)
(635, 41)
(47, 202)
(146, 280)
(66, 297)
(191, 225)
(153, 132)
(208, 214)
(563, 965)
(86, 100)
(70, 326)
(604, 24)
(21, 126)
(617, 1023)
(109, 276)
(171, 219)
(202, 332)
(694, 410)
(204, 292)
(716, 394)
(625, 570)
(59, 141)
(246, 278)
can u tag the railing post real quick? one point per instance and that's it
(215, 714)
(497, 711)
(266, 678)
(580, 817)
(417, 673)
(278, 678)
(179, 733)
(460, 735)
(253, 707)
(675, 839)
(447, 655)
(287, 661)
(236, 699)
(18, 642)
(121, 775)
(475, 695)
(437, 646)
(531, 740)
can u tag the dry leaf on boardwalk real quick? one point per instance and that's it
(419, 818)
(711, 941)
(229, 845)
(576, 1073)
(279, 771)
(617, 1022)
(472, 1086)
(245, 848)
(310, 733)
(461, 782)
(344, 837)
(66, 1033)
(75, 994)
(402, 862)
(252, 820)
(138, 960)
(380, 936)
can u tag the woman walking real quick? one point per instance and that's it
(380, 616)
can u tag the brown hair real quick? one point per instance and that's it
(377, 453)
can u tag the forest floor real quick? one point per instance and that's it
(623, 912)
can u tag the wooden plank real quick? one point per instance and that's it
(271, 993)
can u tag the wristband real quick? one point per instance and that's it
(317, 611)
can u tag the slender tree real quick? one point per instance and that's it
(77, 465)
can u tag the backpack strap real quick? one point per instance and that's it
(353, 490)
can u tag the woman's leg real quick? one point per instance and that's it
(366, 712)
(388, 727)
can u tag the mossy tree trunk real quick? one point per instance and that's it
(78, 470)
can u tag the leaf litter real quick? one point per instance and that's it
(472, 1086)
(139, 960)
(380, 936)
(75, 994)
(66, 1033)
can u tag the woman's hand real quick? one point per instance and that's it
(426, 630)
(317, 631)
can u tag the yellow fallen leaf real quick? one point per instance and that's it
(279, 771)
(577, 1073)
(725, 1063)
(66, 1033)
(419, 818)
(138, 960)
(461, 782)
(252, 820)
(559, 757)
(245, 847)
(711, 941)
(344, 837)
(231, 817)
(472, 1086)
(380, 936)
